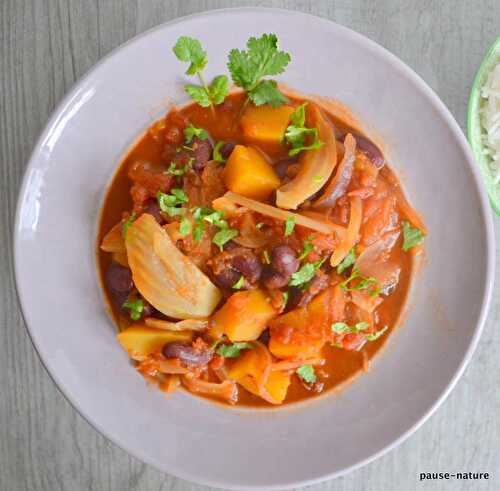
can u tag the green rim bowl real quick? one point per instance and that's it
(474, 129)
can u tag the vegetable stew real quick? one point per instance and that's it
(254, 248)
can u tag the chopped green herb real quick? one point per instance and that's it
(307, 373)
(308, 247)
(198, 232)
(360, 326)
(191, 131)
(340, 328)
(318, 179)
(364, 283)
(179, 172)
(348, 261)
(185, 227)
(412, 236)
(217, 156)
(296, 134)
(216, 218)
(224, 235)
(190, 50)
(289, 226)
(267, 259)
(239, 284)
(375, 335)
(126, 224)
(135, 308)
(259, 225)
(285, 298)
(233, 350)
(261, 59)
(305, 273)
(169, 202)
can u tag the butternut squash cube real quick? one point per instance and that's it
(244, 316)
(265, 124)
(142, 340)
(295, 350)
(248, 173)
(277, 385)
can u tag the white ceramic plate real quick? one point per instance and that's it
(57, 214)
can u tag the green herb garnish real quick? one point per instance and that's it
(375, 335)
(217, 156)
(239, 284)
(179, 172)
(412, 236)
(259, 225)
(224, 235)
(296, 134)
(305, 273)
(126, 224)
(261, 59)
(289, 226)
(285, 298)
(348, 261)
(308, 247)
(135, 308)
(306, 373)
(185, 227)
(232, 350)
(169, 202)
(191, 131)
(364, 283)
(190, 50)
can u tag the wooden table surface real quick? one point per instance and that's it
(46, 45)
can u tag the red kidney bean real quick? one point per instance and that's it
(227, 278)
(226, 149)
(187, 354)
(281, 166)
(202, 153)
(300, 298)
(272, 279)
(118, 278)
(248, 265)
(284, 260)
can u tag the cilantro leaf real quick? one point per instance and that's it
(191, 131)
(224, 235)
(267, 92)
(308, 247)
(135, 308)
(217, 156)
(306, 373)
(289, 226)
(126, 224)
(198, 232)
(297, 133)
(199, 94)
(185, 227)
(305, 273)
(218, 89)
(190, 50)
(412, 236)
(348, 261)
(179, 172)
(340, 328)
(360, 326)
(168, 203)
(364, 283)
(375, 335)
(285, 298)
(233, 350)
(239, 284)
(261, 59)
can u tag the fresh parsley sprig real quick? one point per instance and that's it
(412, 236)
(190, 50)
(248, 68)
(364, 283)
(296, 133)
(305, 274)
(307, 373)
(135, 308)
(233, 350)
(169, 203)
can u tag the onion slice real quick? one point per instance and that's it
(268, 210)
(338, 185)
(113, 240)
(352, 235)
(185, 325)
(166, 278)
(316, 166)
(227, 390)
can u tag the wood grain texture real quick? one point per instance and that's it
(45, 46)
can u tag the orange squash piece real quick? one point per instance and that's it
(265, 124)
(244, 316)
(248, 173)
(142, 340)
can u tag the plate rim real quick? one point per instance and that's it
(436, 102)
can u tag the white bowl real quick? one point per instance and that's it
(55, 266)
